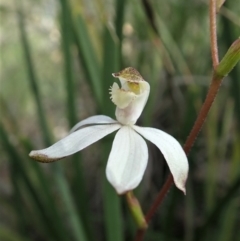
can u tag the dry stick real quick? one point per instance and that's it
(212, 92)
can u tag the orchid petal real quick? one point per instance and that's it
(171, 150)
(127, 161)
(74, 142)
(96, 119)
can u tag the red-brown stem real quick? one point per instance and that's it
(212, 92)
(213, 89)
(213, 32)
(159, 198)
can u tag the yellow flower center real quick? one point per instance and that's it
(134, 87)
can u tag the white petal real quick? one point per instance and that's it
(96, 119)
(171, 150)
(74, 142)
(127, 161)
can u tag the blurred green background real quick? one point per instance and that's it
(57, 57)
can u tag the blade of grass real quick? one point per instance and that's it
(173, 48)
(211, 159)
(218, 209)
(112, 43)
(189, 211)
(36, 200)
(228, 36)
(112, 210)
(119, 20)
(66, 33)
(228, 223)
(36, 171)
(78, 179)
(18, 204)
(88, 56)
(111, 64)
(32, 77)
(76, 224)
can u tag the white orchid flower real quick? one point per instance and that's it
(129, 155)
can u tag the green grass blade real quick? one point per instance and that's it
(78, 180)
(173, 48)
(16, 160)
(227, 37)
(18, 203)
(112, 210)
(228, 223)
(111, 64)
(67, 38)
(88, 56)
(119, 21)
(36, 171)
(32, 78)
(75, 221)
(218, 209)
(76, 224)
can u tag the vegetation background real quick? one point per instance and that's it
(56, 63)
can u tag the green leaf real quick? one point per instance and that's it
(32, 78)
(229, 60)
(88, 56)
(41, 211)
(111, 64)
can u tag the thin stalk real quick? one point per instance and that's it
(213, 32)
(213, 89)
(212, 92)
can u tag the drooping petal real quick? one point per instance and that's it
(127, 161)
(74, 142)
(96, 119)
(171, 150)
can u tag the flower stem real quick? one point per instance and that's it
(213, 32)
(136, 210)
(212, 92)
(213, 89)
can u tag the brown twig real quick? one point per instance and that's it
(212, 92)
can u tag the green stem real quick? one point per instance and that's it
(136, 210)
